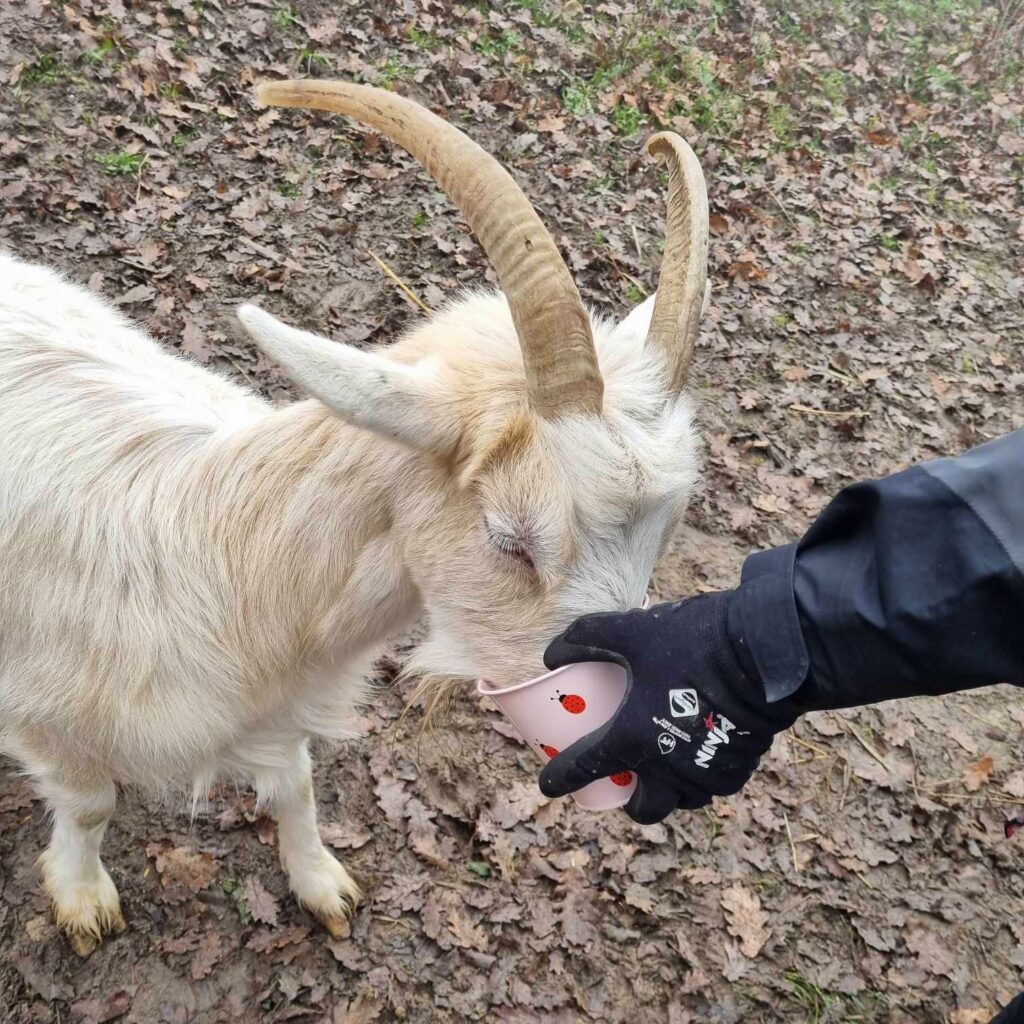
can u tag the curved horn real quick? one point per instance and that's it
(675, 323)
(562, 374)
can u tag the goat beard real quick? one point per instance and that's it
(436, 694)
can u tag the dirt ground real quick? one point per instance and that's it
(864, 164)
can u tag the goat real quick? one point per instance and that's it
(193, 582)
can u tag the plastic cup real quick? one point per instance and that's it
(557, 708)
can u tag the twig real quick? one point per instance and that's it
(636, 242)
(271, 254)
(847, 776)
(792, 845)
(810, 746)
(972, 796)
(138, 177)
(867, 746)
(781, 205)
(839, 414)
(622, 273)
(844, 377)
(407, 291)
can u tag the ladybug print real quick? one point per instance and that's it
(549, 750)
(622, 778)
(572, 702)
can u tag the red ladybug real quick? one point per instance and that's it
(572, 702)
(622, 778)
(549, 750)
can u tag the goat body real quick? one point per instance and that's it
(193, 582)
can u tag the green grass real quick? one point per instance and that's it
(284, 18)
(96, 57)
(287, 189)
(780, 121)
(504, 43)
(312, 59)
(424, 40)
(181, 139)
(812, 999)
(833, 86)
(393, 69)
(235, 891)
(121, 163)
(420, 218)
(44, 70)
(627, 119)
(819, 1005)
(540, 14)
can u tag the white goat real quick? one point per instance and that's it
(193, 582)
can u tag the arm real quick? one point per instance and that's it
(907, 586)
(903, 587)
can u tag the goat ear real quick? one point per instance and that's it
(399, 401)
(638, 321)
(633, 330)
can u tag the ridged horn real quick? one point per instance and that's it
(562, 373)
(675, 322)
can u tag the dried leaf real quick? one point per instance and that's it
(209, 952)
(181, 865)
(978, 773)
(101, 1010)
(746, 919)
(262, 906)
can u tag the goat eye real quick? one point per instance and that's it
(512, 548)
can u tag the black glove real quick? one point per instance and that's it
(694, 721)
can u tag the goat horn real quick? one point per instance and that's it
(562, 374)
(675, 322)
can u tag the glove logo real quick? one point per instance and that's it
(683, 703)
(717, 734)
(666, 743)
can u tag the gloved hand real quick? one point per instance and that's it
(694, 721)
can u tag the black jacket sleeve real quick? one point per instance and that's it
(906, 586)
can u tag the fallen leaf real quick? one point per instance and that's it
(101, 1010)
(551, 124)
(262, 906)
(971, 1016)
(978, 773)
(209, 952)
(181, 865)
(745, 919)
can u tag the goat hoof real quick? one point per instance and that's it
(83, 944)
(85, 911)
(339, 926)
(329, 893)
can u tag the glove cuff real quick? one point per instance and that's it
(727, 650)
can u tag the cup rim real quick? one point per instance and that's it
(484, 686)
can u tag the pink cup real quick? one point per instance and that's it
(557, 708)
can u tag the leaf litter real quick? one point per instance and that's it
(863, 164)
